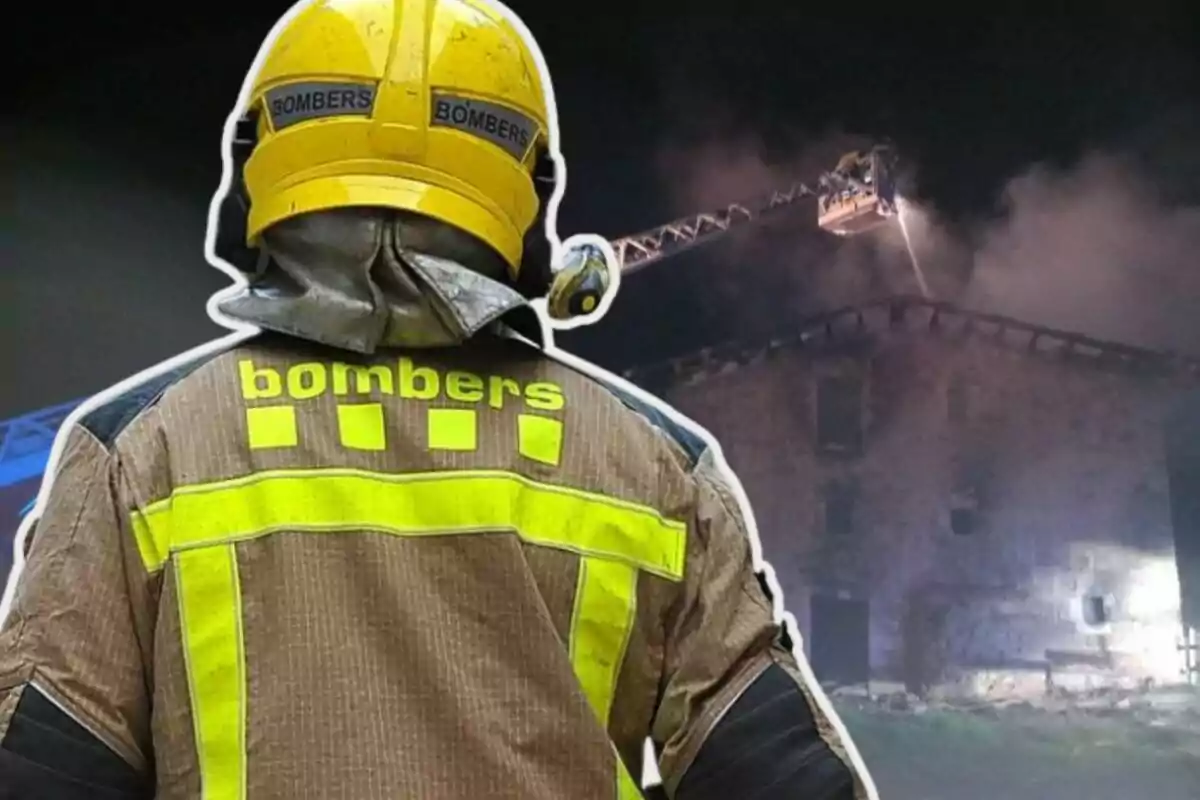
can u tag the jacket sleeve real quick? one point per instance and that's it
(75, 644)
(737, 716)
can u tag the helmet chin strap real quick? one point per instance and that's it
(234, 210)
(536, 273)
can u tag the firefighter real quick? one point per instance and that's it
(384, 543)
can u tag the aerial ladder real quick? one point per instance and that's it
(857, 195)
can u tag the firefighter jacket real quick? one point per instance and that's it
(285, 571)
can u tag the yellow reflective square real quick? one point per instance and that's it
(272, 426)
(540, 438)
(453, 429)
(360, 426)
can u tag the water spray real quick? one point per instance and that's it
(901, 207)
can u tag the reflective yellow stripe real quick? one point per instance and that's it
(199, 525)
(210, 612)
(627, 787)
(411, 505)
(605, 601)
(605, 608)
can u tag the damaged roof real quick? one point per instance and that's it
(909, 313)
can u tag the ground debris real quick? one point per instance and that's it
(1173, 712)
(1102, 745)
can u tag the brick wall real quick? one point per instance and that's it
(1060, 462)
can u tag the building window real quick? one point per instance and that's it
(839, 502)
(839, 414)
(962, 521)
(964, 508)
(1097, 609)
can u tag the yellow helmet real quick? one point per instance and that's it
(430, 106)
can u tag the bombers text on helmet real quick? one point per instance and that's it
(430, 106)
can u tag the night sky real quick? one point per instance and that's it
(113, 143)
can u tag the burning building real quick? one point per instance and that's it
(955, 500)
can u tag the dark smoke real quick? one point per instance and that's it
(1095, 248)
(1107, 246)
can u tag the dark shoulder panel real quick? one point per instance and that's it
(692, 444)
(107, 421)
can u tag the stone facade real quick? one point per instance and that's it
(989, 498)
